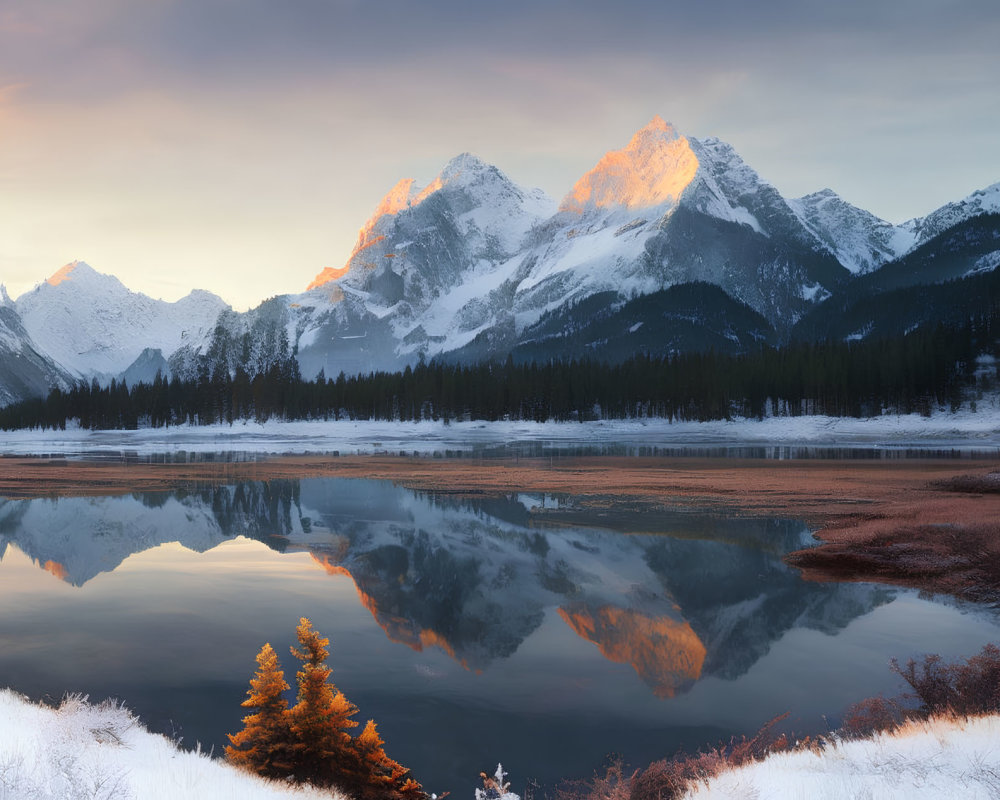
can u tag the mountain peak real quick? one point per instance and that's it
(463, 162)
(466, 183)
(822, 194)
(74, 269)
(652, 170)
(655, 132)
(981, 201)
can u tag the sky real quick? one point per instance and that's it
(239, 145)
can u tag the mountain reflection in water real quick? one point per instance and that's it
(704, 596)
(524, 624)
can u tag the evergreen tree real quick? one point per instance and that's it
(384, 777)
(322, 749)
(263, 744)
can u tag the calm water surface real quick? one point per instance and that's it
(471, 632)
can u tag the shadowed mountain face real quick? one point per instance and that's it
(700, 596)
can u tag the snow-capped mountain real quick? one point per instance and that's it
(470, 216)
(93, 326)
(982, 201)
(474, 266)
(416, 280)
(475, 258)
(24, 370)
(666, 210)
(861, 241)
(663, 211)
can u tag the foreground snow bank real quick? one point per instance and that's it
(962, 430)
(940, 757)
(102, 752)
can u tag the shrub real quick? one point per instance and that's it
(668, 779)
(613, 782)
(965, 688)
(871, 715)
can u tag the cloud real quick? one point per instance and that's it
(208, 135)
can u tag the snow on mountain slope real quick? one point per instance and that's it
(24, 371)
(94, 326)
(474, 212)
(422, 257)
(861, 241)
(473, 255)
(666, 210)
(726, 186)
(469, 262)
(982, 201)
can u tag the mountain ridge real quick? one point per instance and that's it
(472, 257)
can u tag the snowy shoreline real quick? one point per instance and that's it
(924, 760)
(964, 431)
(104, 751)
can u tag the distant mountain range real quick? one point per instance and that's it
(668, 245)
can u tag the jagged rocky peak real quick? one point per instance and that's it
(66, 272)
(860, 241)
(76, 272)
(981, 201)
(653, 170)
(479, 199)
(94, 326)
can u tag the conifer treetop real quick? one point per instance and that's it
(314, 647)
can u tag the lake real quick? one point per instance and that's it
(524, 628)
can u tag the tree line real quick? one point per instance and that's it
(929, 367)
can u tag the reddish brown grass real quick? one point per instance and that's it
(670, 778)
(871, 715)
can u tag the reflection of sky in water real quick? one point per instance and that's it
(174, 632)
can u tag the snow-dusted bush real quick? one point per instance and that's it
(494, 786)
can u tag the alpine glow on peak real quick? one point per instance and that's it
(653, 170)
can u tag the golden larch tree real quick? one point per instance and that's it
(263, 744)
(322, 749)
(384, 777)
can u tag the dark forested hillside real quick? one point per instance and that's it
(949, 279)
(689, 317)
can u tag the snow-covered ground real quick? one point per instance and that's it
(958, 759)
(964, 430)
(102, 752)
